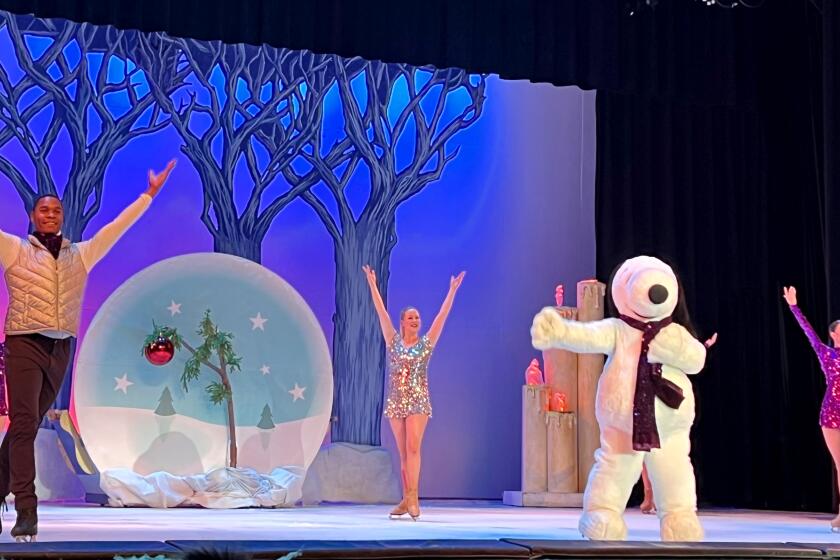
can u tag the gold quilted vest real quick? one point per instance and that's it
(45, 293)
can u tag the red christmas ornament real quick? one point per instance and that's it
(160, 351)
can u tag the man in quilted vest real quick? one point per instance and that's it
(46, 276)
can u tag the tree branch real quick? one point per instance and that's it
(411, 179)
(210, 365)
(37, 72)
(354, 124)
(339, 153)
(335, 184)
(323, 214)
(18, 181)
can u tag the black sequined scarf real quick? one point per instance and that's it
(649, 385)
(52, 241)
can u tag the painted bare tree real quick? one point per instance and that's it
(254, 105)
(374, 125)
(74, 79)
(100, 89)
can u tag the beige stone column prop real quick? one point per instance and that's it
(534, 440)
(562, 452)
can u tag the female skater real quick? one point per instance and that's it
(829, 357)
(408, 407)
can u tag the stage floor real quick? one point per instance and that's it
(439, 520)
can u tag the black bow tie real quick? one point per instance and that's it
(52, 241)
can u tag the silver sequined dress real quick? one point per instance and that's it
(408, 379)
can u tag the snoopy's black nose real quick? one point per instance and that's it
(658, 293)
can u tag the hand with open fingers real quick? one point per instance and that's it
(370, 274)
(157, 180)
(455, 281)
(711, 341)
(790, 295)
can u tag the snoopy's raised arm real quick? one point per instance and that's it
(551, 330)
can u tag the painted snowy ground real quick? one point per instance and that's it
(144, 442)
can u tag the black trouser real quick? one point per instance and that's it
(35, 366)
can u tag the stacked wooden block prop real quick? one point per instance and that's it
(559, 430)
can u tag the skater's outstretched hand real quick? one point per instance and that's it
(711, 341)
(370, 274)
(455, 281)
(790, 295)
(440, 319)
(388, 330)
(156, 180)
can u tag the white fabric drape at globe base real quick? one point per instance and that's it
(219, 488)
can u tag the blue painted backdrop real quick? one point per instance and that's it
(314, 165)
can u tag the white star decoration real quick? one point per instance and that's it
(174, 308)
(258, 322)
(123, 383)
(297, 392)
(265, 370)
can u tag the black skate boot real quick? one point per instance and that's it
(26, 526)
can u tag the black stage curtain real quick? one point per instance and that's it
(589, 43)
(829, 41)
(734, 197)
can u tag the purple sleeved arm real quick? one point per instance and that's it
(819, 347)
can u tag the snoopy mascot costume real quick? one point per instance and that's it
(644, 403)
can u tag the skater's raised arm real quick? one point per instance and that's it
(93, 250)
(445, 308)
(816, 343)
(388, 330)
